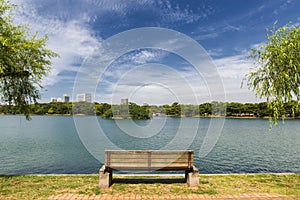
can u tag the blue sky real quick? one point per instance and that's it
(226, 29)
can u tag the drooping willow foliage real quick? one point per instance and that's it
(276, 76)
(24, 61)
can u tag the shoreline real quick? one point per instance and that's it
(158, 175)
(154, 175)
(204, 117)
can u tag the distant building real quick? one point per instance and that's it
(59, 99)
(53, 99)
(124, 101)
(87, 97)
(66, 98)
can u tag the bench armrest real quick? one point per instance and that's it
(102, 169)
(195, 169)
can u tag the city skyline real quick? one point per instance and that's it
(226, 31)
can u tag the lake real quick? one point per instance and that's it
(71, 145)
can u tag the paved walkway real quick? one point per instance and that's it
(258, 196)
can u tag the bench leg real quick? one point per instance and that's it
(186, 175)
(192, 177)
(105, 177)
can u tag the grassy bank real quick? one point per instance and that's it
(32, 186)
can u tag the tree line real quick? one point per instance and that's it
(230, 109)
(104, 110)
(134, 111)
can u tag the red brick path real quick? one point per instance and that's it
(253, 196)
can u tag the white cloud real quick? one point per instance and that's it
(152, 83)
(72, 40)
(215, 52)
(233, 67)
(232, 70)
(142, 56)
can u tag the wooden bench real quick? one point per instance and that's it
(148, 160)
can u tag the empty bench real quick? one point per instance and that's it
(148, 160)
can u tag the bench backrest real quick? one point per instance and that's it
(146, 160)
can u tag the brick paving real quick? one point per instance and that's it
(253, 196)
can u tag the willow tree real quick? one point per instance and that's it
(24, 61)
(276, 76)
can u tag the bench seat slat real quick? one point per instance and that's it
(146, 160)
(154, 154)
(145, 155)
(176, 156)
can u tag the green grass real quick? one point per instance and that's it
(41, 187)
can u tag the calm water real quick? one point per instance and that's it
(53, 145)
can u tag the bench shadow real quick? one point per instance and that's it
(8, 176)
(149, 180)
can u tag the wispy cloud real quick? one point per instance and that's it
(172, 13)
(215, 30)
(282, 7)
(216, 52)
(142, 56)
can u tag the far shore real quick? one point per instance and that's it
(119, 118)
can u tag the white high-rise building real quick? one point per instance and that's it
(66, 98)
(53, 99)
(124, 101)
(87, 97)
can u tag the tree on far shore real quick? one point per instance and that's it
(24, 61)
(277, 73)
